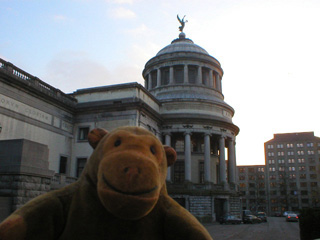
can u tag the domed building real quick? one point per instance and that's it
(198, 124)
(45, 130)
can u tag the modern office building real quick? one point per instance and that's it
(293, 171)
(253, 188)
(43, 136)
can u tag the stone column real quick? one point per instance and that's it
(187, 156)
(231, 162)
(158, 77)
(171, 75)
(199, 79)
(210, 78)
(186, 74)
(168, 143)
(149, 81)
(207, 167)
(222, 159)
(218, 82)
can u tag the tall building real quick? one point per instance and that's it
(182, 103)
(253, 188)
(293, 171)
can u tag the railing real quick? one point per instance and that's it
(35, 82)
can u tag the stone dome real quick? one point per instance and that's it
(182, 44)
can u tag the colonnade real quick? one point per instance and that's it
(211, 79)
(224, 175)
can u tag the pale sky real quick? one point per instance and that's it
(269, 51)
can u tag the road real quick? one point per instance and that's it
(275, 228)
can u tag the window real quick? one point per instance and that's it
(313, 176)
(291, 169)
(242, 185)
(302, 168)
(83, 133)
(179, 146)
(201, 172)
(242, 177)
(272, 176)
(302, 176)
(293, 185)
(281, 161)
(291, 160)
(178, 172)
(261, 176)
(165, 76)
(280, 153)
(273, 184)
(81, 162)
(272, 169)
(309, 144)
(192, 73)
(313, 184)
(271, 161)
(270, 154)
(242, 170)
(252, 193)
(289, 145)
(270, 146)
(279, 145)
(304, 192)
(292, 176)
(261, 185)
(290, 153)
(251, 170)
(178, 74)
(301, 160)
(63, 165)
(305, 200)
(252, 185)
(310, 152)
(303, 184)
(312, 168)
(300, 152)
(252, 178)
(281, 169)
(261, 169)
(153, 79)
(262, 193)
(299, 145)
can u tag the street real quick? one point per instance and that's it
(275, 228)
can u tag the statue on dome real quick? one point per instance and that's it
(182, 22)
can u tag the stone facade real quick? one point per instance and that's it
(182, 104)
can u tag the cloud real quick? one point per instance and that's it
(122, 13)
(59, 18)
(71, 70)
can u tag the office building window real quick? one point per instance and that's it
(301, 160)
(312, 168)
(270, 146)
(289, 145)
(299, 145)
(81, 162)
(83, 133)
(300, 152)
(178, 172)
(63, 165)
(309, 144)
(291, 160)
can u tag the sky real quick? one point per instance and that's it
(269, 51)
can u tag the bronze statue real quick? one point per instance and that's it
(182, 22)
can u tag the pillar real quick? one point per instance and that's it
(210, 78)
(199, 79)
(171, 75)
(218, 82)
(149, 81)
(168, 143)
(222, 160)
(231, 162)
(187, 156)
(207, 168)
(158, 77)
(186, 74)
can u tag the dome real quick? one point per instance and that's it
(182, 44)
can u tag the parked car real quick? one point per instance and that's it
(292, 217)
(227, 218)
(251, 219)
(262, 216)
(287, 212)
(245, 213)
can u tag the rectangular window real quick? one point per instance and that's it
(312, 168)
(81, 162)
(165, 76)
(178, 172)
(178, 74)
(201, 172)
(83, 133)
(63, 165)
(309, 144)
